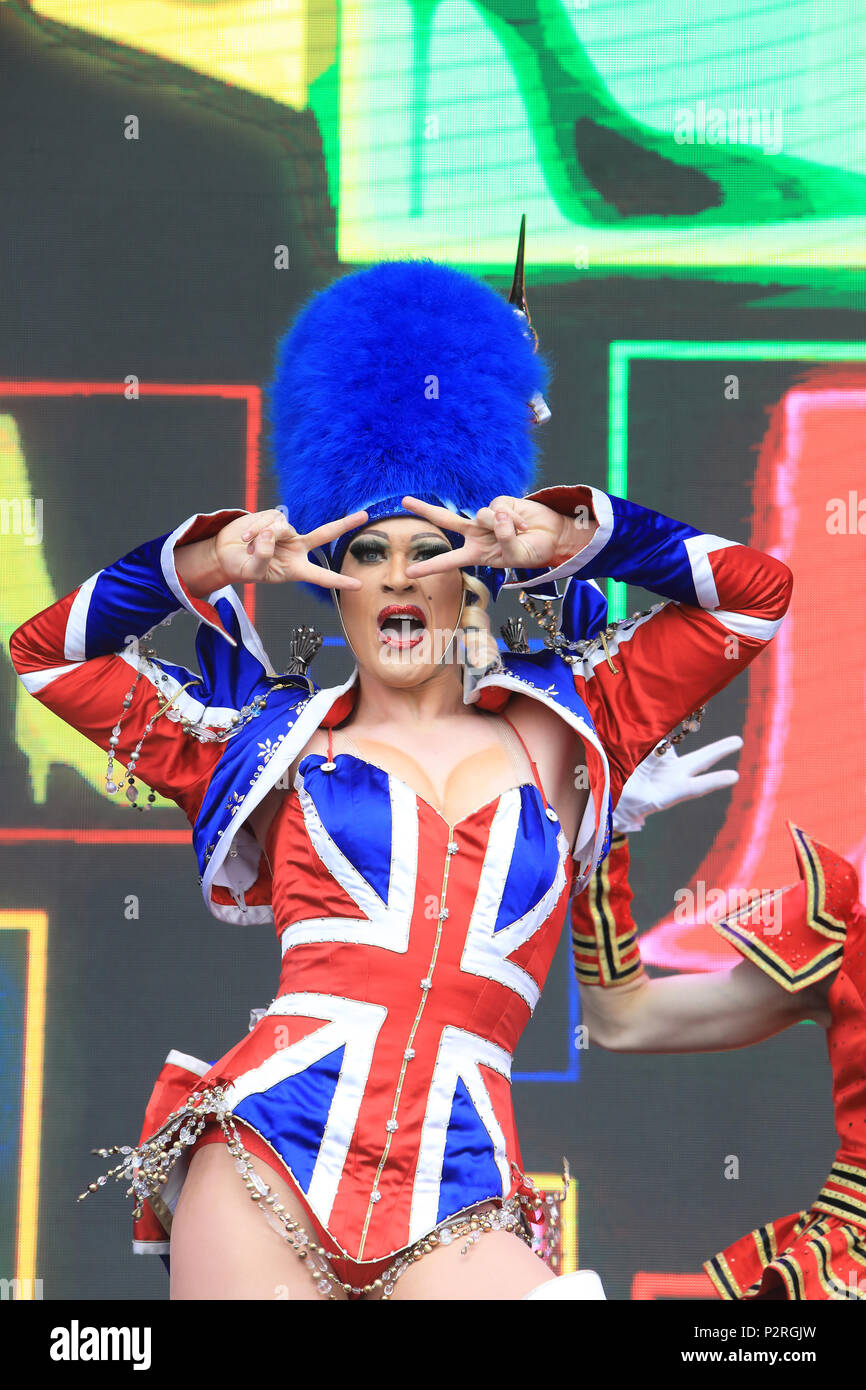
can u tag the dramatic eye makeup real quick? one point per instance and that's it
(367, 549)
(428, 551)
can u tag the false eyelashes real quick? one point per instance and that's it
(367, 550)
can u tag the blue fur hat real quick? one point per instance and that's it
(407, 377)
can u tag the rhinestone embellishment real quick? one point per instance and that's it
(148, 1166)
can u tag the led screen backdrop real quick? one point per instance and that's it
(179, 177)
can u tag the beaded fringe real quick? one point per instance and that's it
(147, 1167)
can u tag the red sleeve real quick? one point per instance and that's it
(727, 602)
(603, 933)
(676, 659)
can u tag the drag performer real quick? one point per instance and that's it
(804, 957)
(414, 833)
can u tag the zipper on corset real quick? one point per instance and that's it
(426, 985)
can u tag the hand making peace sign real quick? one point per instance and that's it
(263, 548)
(512, 533)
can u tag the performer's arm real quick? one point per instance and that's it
(79, 657)
(728, 602)
(625, 1011)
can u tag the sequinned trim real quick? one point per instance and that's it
(148, 1167)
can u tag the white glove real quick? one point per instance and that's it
(660, 782)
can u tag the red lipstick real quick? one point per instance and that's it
(401, 625)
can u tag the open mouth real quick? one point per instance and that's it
(401, 625)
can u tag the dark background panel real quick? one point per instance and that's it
(157, 259)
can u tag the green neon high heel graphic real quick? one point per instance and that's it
(602, 166)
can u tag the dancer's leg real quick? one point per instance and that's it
(222, 1248)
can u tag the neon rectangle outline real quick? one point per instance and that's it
(34, 922)
(626, 350)
(252, 396)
